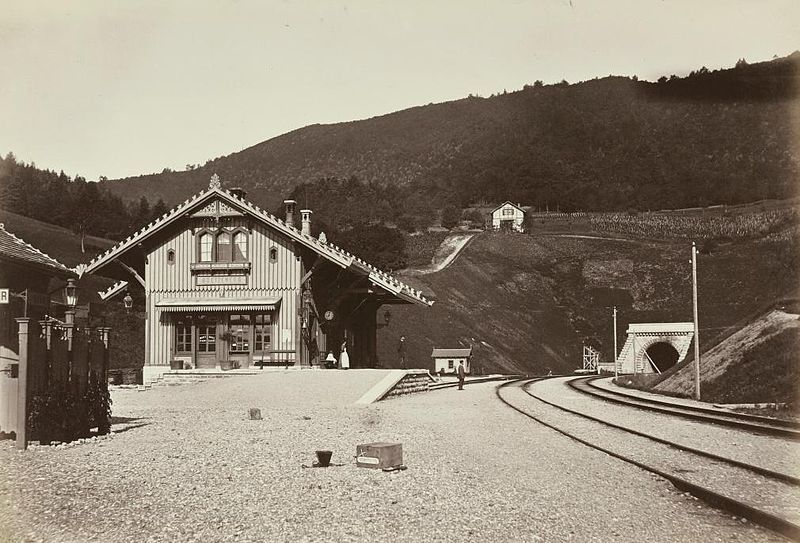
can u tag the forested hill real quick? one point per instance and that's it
(720, 136)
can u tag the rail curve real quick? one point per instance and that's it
(729, 467)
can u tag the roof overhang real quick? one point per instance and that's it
(329, 251)
(194, 305)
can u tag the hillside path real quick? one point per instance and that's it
(445, 255)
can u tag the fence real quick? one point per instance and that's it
(59, 388)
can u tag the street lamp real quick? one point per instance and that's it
(387, 317)
(71, 293)
(128, 301)
(71, 296)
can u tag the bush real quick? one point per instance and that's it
(58, 414)
(451, 215)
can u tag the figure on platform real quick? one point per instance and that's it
(401, 352)
(344, 358)
(461, 373)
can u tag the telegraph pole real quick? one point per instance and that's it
(696, 325)
(616, 370)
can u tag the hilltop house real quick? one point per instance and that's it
(508, 216)
(228, 285)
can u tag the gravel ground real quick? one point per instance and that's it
(186, 464)
(770, 452)
(776, 497)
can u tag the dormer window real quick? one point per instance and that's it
(240, 247)
(206, 245)
(222, 246)
(221, 256)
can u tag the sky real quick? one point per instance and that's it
(122, 88)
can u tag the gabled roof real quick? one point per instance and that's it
(452, 353)
(328, 250)
(508, 203)
(17, 250)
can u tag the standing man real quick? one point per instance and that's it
(461, 373)
(401, 352)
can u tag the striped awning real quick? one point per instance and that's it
(218, 304)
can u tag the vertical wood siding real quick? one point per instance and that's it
(266, 279)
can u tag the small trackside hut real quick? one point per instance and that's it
(227, 285)
(447, 360)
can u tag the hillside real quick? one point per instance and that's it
(758, 363)
(613, 143)
(528, 302)
(60, 243)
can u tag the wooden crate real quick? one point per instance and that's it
(379, 455)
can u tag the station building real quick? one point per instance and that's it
(228, 285)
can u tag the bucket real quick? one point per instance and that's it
(324, 458)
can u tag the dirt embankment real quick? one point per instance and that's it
(447, 252)
(759, 363)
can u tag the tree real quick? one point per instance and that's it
(450, 216)
(159, 209)
(379, 245)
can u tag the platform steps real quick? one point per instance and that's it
(184, 378)
(412, 382)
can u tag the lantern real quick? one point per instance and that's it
(71, 293)
(128, 301)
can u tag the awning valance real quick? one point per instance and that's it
(192, 305)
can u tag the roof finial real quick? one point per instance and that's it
(214, 183)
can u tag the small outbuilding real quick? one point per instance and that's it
(446, 360)
(508, 216)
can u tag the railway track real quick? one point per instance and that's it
(761, 495)
(765, 425)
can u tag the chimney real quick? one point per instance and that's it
(289, 211)
(306, 216)
(238, 192)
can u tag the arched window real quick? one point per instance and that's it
(273, 254)
(223, 247)
(171, 257)
(239, 247)
(206, 242)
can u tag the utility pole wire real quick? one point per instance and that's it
(696, 325)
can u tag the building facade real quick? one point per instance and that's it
(227, 285)
(447, 360)
(508, 216)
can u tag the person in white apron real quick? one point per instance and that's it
(344, 358)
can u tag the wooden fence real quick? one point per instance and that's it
(53, 355)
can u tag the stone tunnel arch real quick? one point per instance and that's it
(663, 354)
(666, 343)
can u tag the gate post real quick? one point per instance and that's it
(22, 384)
(105, 332)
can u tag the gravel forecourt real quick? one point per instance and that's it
(186, 464)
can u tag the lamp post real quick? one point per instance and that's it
(71, 297)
